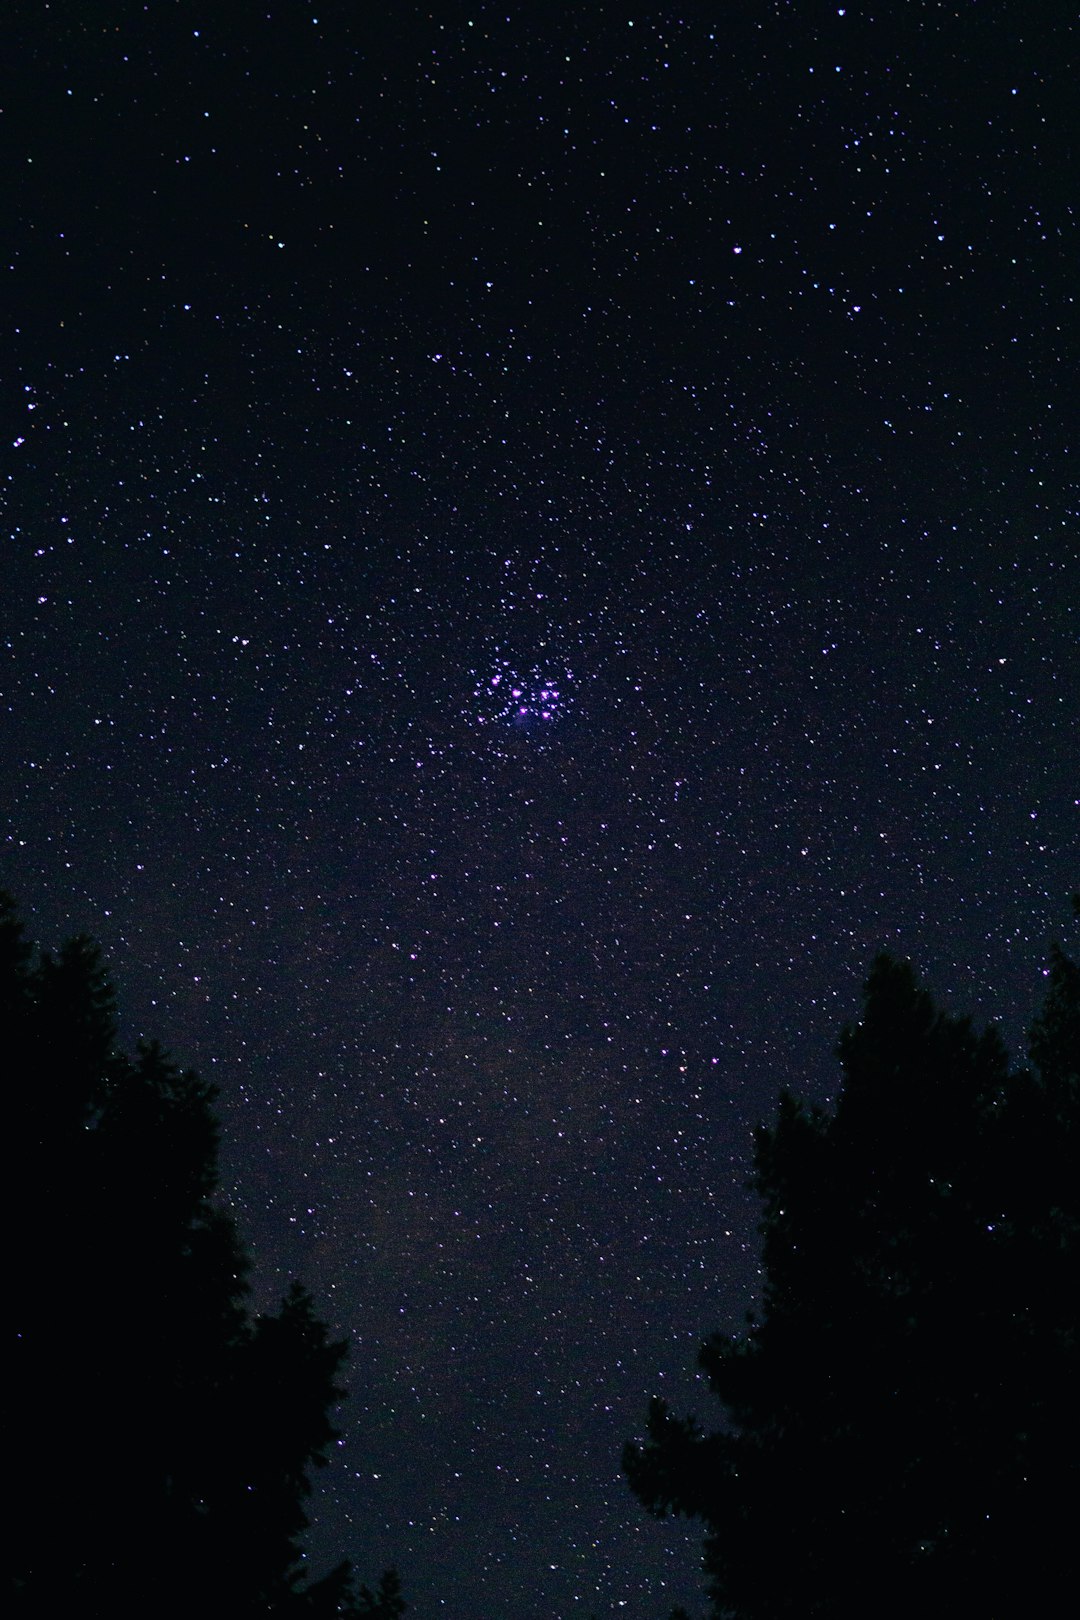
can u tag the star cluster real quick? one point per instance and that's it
(533, 699)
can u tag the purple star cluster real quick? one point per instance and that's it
(537, 697)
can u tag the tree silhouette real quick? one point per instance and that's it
(901, 1434)
(162, 1437)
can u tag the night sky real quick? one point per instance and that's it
(536, 539)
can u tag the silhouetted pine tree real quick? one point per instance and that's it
(901, 1420)
(162, 1437)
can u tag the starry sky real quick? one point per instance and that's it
(536, 539)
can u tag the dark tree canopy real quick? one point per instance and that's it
(901, 1434)
(162, 1436)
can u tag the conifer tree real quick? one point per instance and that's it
(162, 1436)
(900, 1431)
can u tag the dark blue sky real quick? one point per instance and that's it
(712, 372)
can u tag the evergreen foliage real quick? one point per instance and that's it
(163, 1436)
(901, 1428)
